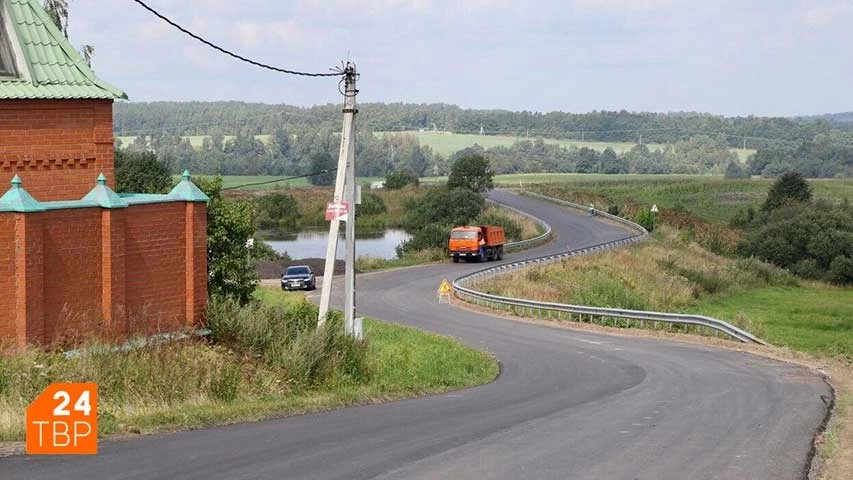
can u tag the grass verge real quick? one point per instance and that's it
(254, 367)
(672, 273)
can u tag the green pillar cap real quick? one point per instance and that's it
(188, 191)
(16, 199)
(103, 196)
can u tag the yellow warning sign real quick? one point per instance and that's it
(445, 287)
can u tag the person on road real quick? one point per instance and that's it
(482, 243)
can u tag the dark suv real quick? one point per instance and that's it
(298, 277)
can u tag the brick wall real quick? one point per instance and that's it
(68, 274)
(155, 242)
(58, 147)
(8, 332)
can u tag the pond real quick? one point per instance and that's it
(312, 244)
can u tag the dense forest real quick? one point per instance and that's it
(694, 143)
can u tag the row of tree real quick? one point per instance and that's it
(700, 154)
(292, 151)
(226, 118)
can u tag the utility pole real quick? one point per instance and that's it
(351, 191)
(346, 161)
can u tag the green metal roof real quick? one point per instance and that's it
(54, 68)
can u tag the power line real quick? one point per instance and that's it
(232, 54)
(267, 182)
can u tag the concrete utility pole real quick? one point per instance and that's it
(346, 162)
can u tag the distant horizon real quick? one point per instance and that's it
(733, 59)
(497, 109)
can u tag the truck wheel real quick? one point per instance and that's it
(455, 259)
(500, 254)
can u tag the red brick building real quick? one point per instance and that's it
(77, 259)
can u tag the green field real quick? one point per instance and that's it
(814, 319)
(446, 143)
(195, 140)
(714, 199)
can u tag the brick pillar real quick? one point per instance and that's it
(30, 325)
(113, 280)
(195, 224)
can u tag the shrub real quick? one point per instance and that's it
(278, 211)
(841, 270)
(287, 338)
(433, 235)
(512, 229)
(399, 179)
(646, 219)
(371, 204)
(789, 188)
(443, 206)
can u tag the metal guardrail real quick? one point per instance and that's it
(496, 301)
(530, 242)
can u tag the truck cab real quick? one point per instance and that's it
(480, 243)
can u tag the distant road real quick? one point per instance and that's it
(567, 405)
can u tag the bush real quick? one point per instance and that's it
(287, 338)
(646, 218)
(841, 270)
(792, 234)
(433, 235)
(141, 172)
(440, 205)
(399, 179)
(789, 188)
(278, 211)
(371, 204)
(512, 229)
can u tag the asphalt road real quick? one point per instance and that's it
(568, 404)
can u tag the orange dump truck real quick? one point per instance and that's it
(482, 243)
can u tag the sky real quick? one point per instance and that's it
(735, 58)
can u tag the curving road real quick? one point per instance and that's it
(568, 404)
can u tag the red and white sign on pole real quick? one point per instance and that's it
(337, 211)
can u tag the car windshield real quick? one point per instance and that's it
(463, 234)
(297, 271)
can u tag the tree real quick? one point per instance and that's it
(323, 164)
(471, 172)
(399, 179)
(789, 188)
(444, 206)
(278, 211)
(141, 172)
(57, 10)
(734, 170)
(230, 256)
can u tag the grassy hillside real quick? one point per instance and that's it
(671, 273)
(714, 199)
(447, 143)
